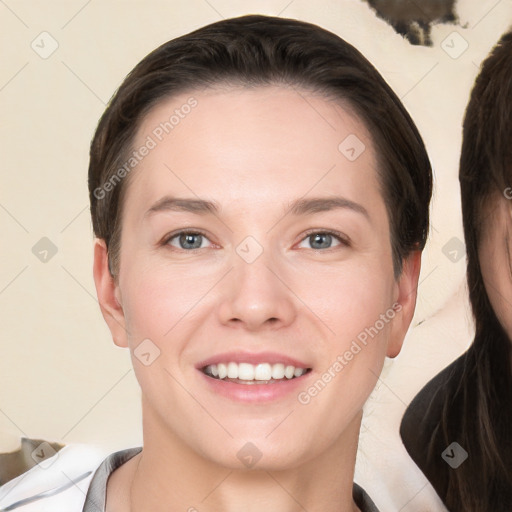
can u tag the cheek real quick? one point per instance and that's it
(351, 301)
(495, 257)
(155, 301)
(361, 316)
(499, 290)
(159, 307)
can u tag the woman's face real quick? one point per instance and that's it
(251, 175)
(495, 255)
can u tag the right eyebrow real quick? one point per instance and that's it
(168, 203)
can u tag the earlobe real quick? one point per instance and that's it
(109, 296)
(407, 289)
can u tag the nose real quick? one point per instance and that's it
(257, 296)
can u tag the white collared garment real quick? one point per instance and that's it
(58, 484)
(76, 481)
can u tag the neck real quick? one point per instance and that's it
(169, 474)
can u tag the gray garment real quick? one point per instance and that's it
(96, 495)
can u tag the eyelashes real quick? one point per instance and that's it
(340, 237)
(186, 237)
(183, 236)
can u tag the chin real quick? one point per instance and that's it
(251, 458)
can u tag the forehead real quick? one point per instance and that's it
(266, 144)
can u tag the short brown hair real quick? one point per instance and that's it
(260, 50)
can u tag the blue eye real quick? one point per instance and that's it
(324, 239)
(194, 240)
(188, 240)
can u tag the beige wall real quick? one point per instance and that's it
(61, 377)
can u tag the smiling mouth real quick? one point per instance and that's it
(246, 373)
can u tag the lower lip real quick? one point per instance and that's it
(256, 392)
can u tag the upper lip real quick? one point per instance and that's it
(252, 358)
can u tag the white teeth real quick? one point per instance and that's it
(263, 372)
(289, 371)
(245, 371)
(232, 371)
(278, 371)
(251, 372)
(222, 370)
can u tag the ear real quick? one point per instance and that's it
(406, 292)
(109, 296)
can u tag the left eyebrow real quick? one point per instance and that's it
(322, 204)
